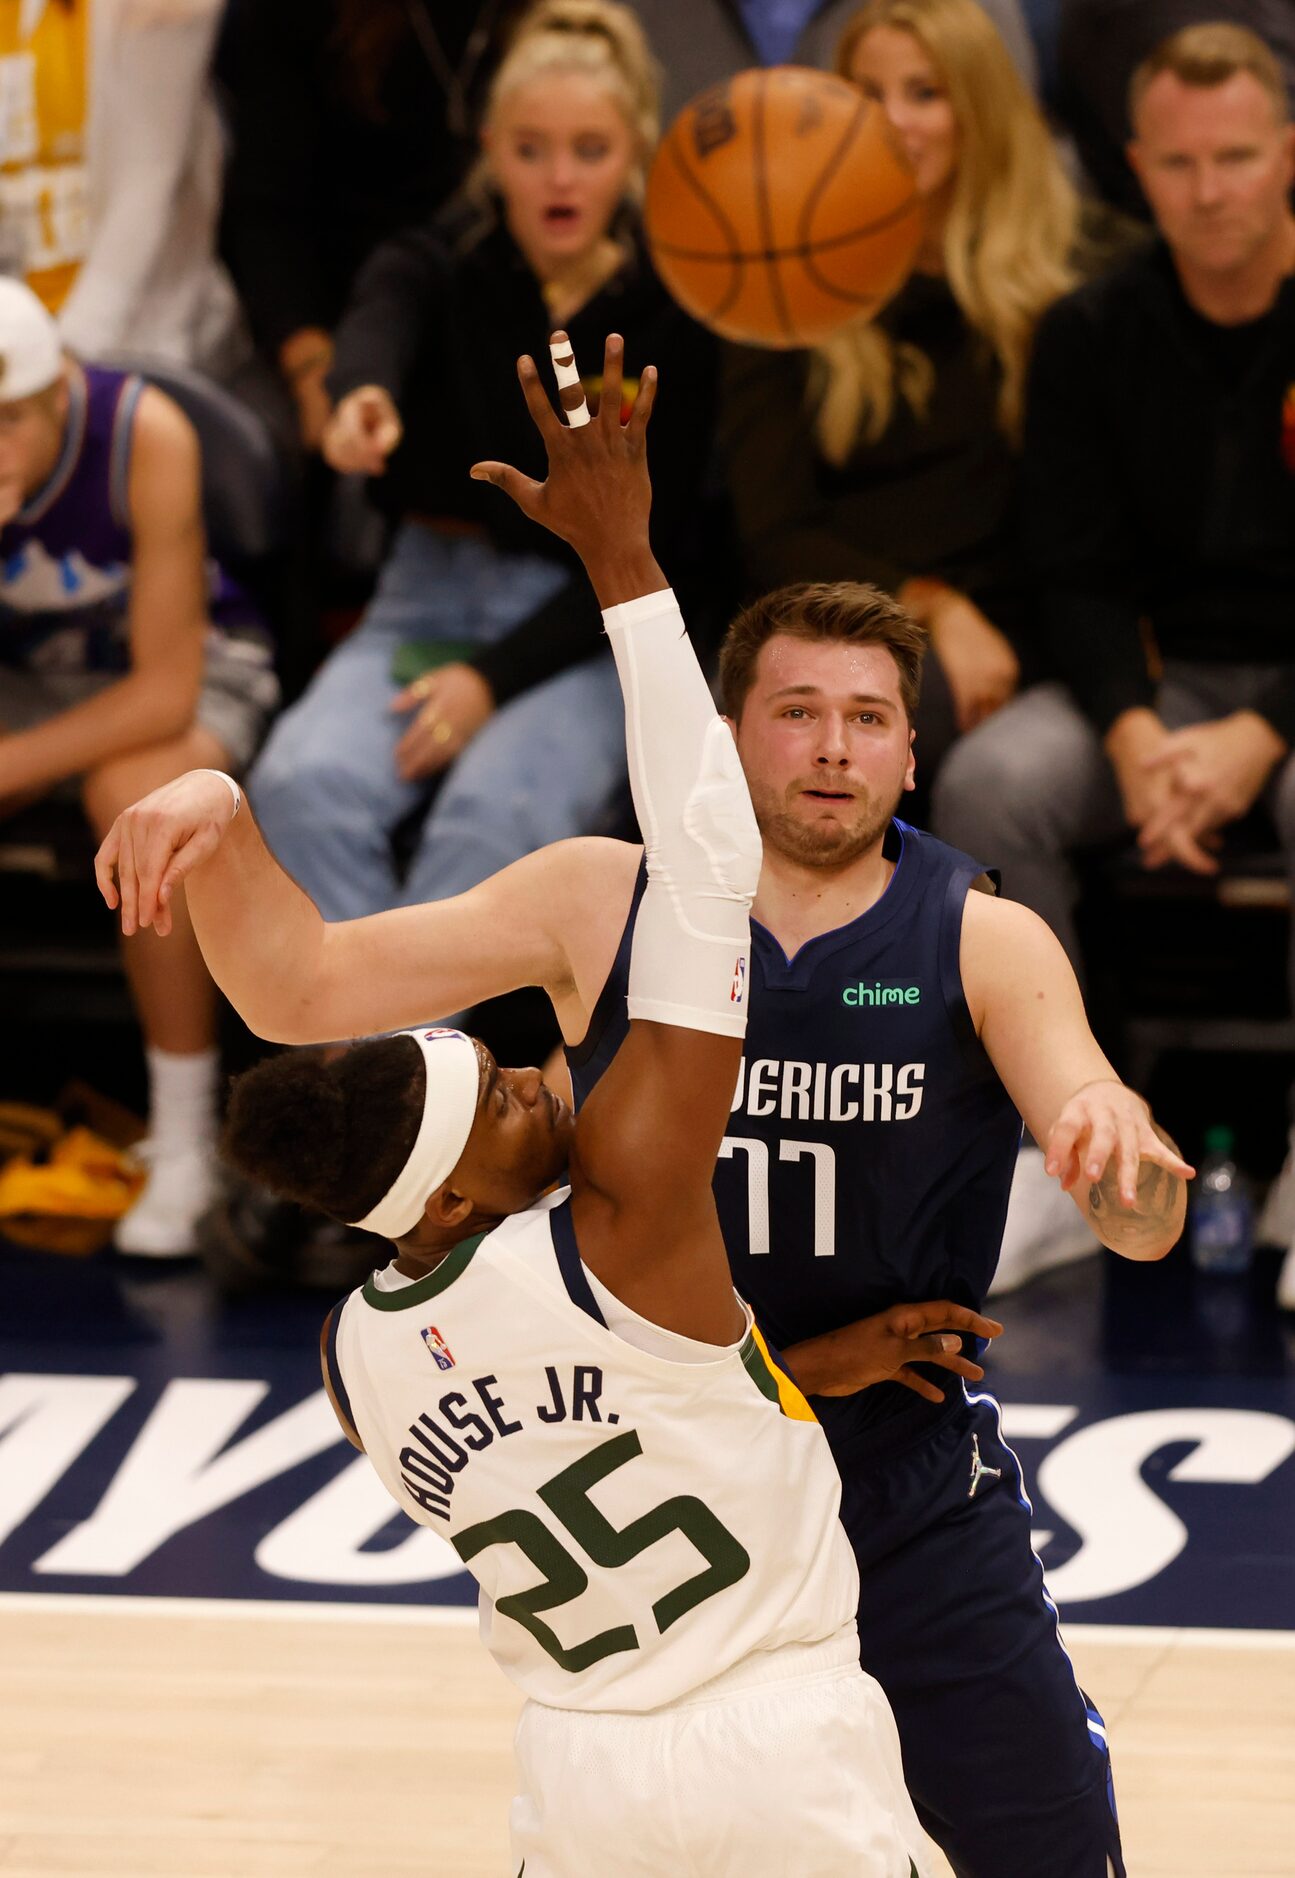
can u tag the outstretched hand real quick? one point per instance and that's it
(1122, 1168)
(884, 1348)
(597, 495)
(1105, 1133)
(157, 842)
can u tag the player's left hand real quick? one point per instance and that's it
(1105, 1121)
(597, 493)
(884, 1348)
(452, 704)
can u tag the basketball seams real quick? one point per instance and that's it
(763, 208)
(812, 200)
(826, 286)
(829, 169)
(800, 251)
(735, 255)
(762, 203)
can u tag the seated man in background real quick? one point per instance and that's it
(1160, 487)
(111, 675)
(1099, 44)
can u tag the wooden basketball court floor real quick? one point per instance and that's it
(172, 1739)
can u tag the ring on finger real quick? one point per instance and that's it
(442, 731)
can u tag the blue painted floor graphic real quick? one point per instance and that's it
(155, 1440)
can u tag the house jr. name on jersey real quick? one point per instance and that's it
(829, 1092)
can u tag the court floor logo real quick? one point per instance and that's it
(201, 1486)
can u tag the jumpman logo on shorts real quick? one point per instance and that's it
(979, 1471)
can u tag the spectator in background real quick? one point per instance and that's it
(708, 40)
(890, 454)
(114, 676)
(1160, 482)
(521, 704)
(110, 174)
(1099, 42)
(349, 119)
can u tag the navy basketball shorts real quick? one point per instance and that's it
(1004, 1755)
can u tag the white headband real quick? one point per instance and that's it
(449, 1108)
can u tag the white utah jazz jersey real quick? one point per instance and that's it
(637, 1524)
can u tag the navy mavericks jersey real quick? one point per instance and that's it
(871, 1145)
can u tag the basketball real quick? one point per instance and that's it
(778, 209)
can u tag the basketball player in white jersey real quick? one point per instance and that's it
(578, 1402)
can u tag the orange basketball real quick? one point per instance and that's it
(778, 207)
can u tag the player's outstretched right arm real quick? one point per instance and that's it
(649, 1135)
(552, 919)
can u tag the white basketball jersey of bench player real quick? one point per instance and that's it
(639, 1519)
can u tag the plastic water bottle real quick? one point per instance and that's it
(1221, 1221)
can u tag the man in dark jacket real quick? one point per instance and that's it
(1160, 470)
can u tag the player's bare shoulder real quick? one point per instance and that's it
(589, 884)
(165, 483)
(1005, 948)
(565, 905)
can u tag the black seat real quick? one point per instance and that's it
(243, 494)
(1191, 962)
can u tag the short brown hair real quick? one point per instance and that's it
(1208, 55)
(850, 611)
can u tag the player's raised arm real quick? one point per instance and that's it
(650, 1133)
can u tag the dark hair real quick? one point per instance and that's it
(851, 611)
(329, 1131)
(1209, 54)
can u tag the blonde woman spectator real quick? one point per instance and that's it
(479, 671)
(891, 454)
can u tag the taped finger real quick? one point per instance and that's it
(571, 393)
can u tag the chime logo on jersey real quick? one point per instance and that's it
(441, 1354)
(738, 992)
(882, 991)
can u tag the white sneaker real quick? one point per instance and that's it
(180, 1187)
(1044, 1228)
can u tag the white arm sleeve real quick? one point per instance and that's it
(690, 963)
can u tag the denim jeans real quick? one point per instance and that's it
(547, 765)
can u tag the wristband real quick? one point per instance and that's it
(234, 789)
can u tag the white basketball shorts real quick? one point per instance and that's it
(788, 1766)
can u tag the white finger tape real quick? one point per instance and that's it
(564, 370)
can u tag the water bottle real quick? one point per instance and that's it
(1221, 1218)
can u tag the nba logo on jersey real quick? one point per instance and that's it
(430, 1036)
(441, 1353)
(738, 992)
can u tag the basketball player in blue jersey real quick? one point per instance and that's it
(902, 1023)
(683, 1626)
